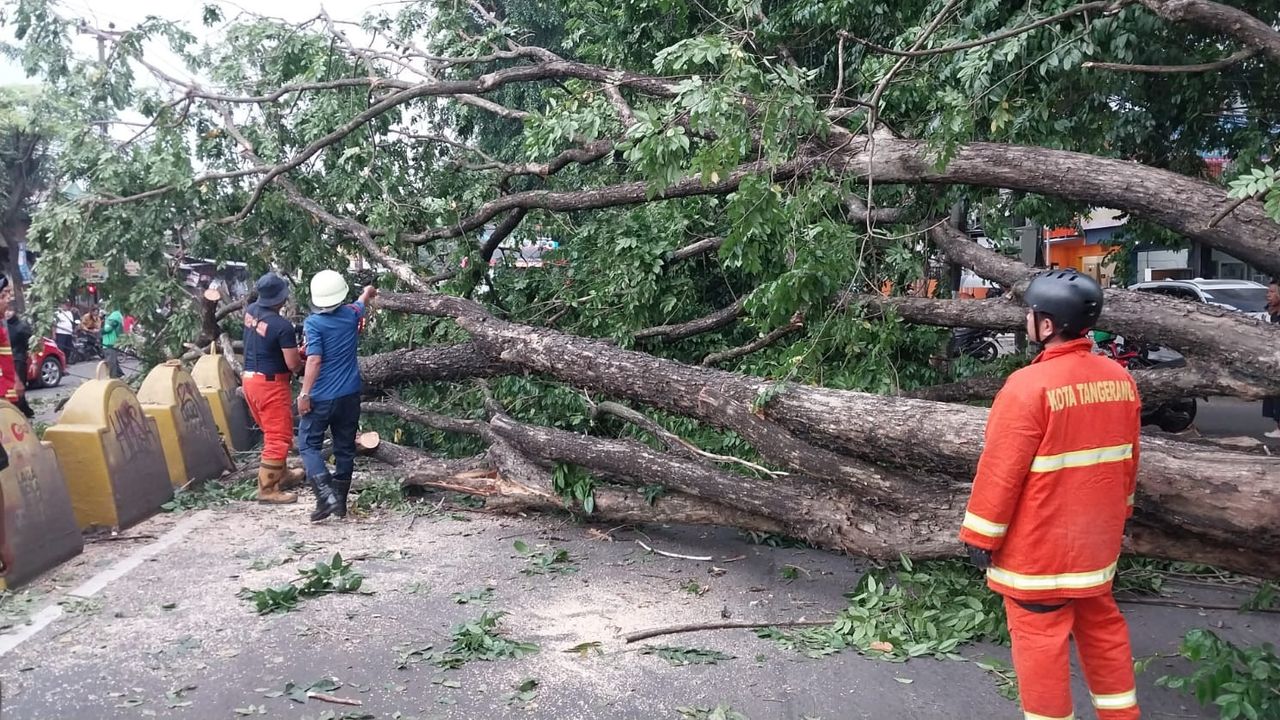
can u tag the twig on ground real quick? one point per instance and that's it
(326, 697)
(677, 556)
(118, 538)
(722, 625)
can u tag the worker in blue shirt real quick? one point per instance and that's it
(330, 397)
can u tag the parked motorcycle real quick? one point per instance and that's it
(974, 342)
(1173, 416)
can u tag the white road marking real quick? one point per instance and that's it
(97, 583)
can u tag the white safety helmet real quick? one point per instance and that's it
(328, 290)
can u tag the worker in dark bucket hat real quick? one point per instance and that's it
(270, 361)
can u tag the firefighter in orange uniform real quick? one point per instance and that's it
(1054, 487)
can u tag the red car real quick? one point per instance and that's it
(46, 365)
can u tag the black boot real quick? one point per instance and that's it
(326, 500)
(341, 486)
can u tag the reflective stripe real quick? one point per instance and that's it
(1081, 458)
(1119, 701)
(983, 526)
(1129, 499)
(1033, 716)
(1065, 581)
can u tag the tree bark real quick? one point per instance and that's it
(437, 363)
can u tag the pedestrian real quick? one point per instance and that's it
(330, 397)
(12, 385)
(1054, 487)
(64, 329)
(270, 361)
(1271, 405)
(20, 333)
(112, 329)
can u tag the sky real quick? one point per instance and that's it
(126, 13)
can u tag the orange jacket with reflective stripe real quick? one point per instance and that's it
(1057, 475)
(8, 373)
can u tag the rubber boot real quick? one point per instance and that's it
(341, 488)
(293, 477)
(326, 501)
(269, 475)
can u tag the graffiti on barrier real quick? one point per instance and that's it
(188, 404)
(129, 425)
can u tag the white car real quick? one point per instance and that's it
(1243, 296)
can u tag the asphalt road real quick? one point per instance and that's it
(45, 400)
(1232, 417)
(158, 628)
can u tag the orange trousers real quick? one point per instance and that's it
(1041, 657)
(271, 402)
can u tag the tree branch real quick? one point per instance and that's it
(584, 155)
(361, 232)
(700, 247)
(1178, 202)
(500, 233)
(1105, 6)
(774, 335)
(674, 443)
(1225, 19)
(856, 211)
(1226, 62)
(964, 250)
(708, 323)
(612, 196)
(426, 417)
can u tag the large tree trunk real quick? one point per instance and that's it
(871, 474)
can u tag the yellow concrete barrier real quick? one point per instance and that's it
(193, 450)
(110, 454)
(38, 529)
(218, 384)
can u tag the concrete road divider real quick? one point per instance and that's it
(193, 450)
(218, 384)
(38, 527)
(111, 455)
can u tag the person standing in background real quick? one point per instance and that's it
(20, 342)
(112, 329)
(1271, 405)
(330, 397)
(64, 329)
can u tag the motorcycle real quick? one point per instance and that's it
(1173, 416)
(974, 342)
(85, 346)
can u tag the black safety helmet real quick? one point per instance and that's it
(1072, 300)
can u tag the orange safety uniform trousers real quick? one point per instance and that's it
(1041, 643)
(271, 402)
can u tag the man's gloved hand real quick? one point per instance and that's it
(980, 558)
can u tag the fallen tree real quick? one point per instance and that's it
(738, 197)
(870, 474)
